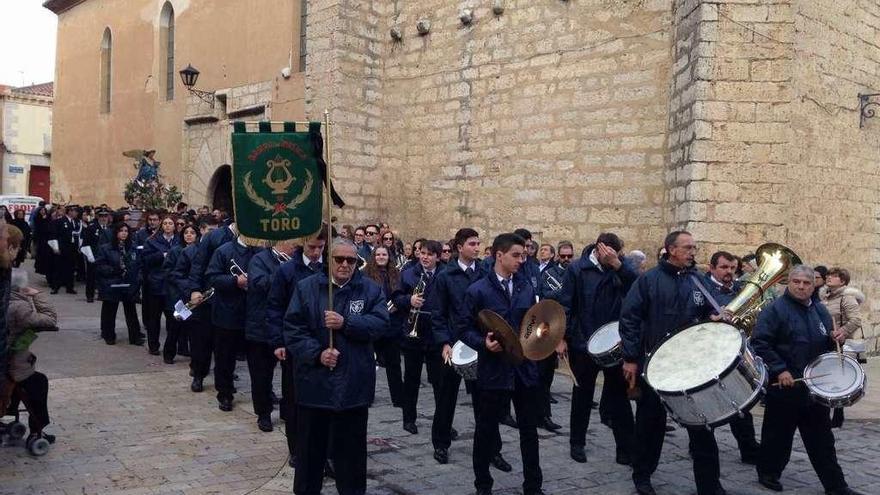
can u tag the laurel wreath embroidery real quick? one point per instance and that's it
(296, 201)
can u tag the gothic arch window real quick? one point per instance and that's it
(303, 24)
(106, 70)
(166, 49)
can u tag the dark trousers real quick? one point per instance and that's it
(108, 320)
(172, 334)
(546, 372)
(650, 433)
(493, 404)
(785, 411)
(614, 392)
(226, 343)
(444, 407)
(152, 315)
(388, 353)
(201, 340)
(33, 391)
(62, 270)
(261, 366)
(349, 450)
(90, 280)
(287, 406)
(472, 388)
(413, 358)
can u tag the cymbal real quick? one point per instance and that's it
(491, 321)
(542, 329)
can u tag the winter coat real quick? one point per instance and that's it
(451, 286)
(352, 383)
(260, 271)
(25, 316)
(112, 268)
(843, 304)
(206, 247)
(281, 290)
(228, 308)
(402, 301)
(155, 250)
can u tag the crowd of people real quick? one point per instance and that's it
(404, 306)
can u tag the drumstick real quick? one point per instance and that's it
(564, 359)
(804, 379)
(839, 353)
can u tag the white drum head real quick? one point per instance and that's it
(694, 356)
(463, 354)
(830, 379)
(607, 337)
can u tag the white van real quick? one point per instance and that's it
(13, 202)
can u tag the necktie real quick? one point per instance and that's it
(469, 271)
(507, 287)
(314, 266)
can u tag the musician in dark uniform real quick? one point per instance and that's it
(422, 348)
(228, 312)
(65, 231)
(722, 286)
(147, 303)
(592, 293)
(335, 386)
(662, 300)
(261, 357)
(510, 295)
(97, 233)
(790, 334)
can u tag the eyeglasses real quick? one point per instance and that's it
(181, 224)
(447, 250)
(566, 256)
(345, 259)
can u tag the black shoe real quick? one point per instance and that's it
(453, 434)
(110, 341)
(264, 423)
(329, 470)
(224, 404)
(845, 491)
(577, 453)
(197, 385)
(508, 421)
(441, 455)
(645, 488)
(411, 427)
(70, 291)
(154, 352)
(548, 424)
(168, 360)
(770, 482)
(623, 458)
(500, 464)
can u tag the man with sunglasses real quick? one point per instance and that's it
(360, 243)
(335, 383)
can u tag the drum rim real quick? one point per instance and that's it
(857, 386)
(698, 388)
(747, 406)
(595, 332)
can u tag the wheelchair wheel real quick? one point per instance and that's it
(17, 430)
(38, 446)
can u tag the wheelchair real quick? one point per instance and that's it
(12, 433)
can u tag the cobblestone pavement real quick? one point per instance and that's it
(128, 424)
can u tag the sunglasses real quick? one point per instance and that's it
(371, 233)
(180, 224)
(345, 259)
(447, 250)
(566, 256)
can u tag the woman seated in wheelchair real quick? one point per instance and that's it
(28, 313)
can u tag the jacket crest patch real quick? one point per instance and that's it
(698, 298)
(355, 307)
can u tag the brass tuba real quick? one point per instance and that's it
(774, 262)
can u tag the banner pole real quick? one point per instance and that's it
(328, 160)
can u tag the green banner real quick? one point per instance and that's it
(277, 182)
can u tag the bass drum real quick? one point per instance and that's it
(706, 374)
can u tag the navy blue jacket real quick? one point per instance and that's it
(365, 250)
(94, 236)
(153, 257)
(493, 373)
(228, 310)
(401, 297)
(260, 271)
(789, 335)
(172, 285)
(545, 290)
(662, 300)
(109, 272)
(530, 270)
(180, 275)
(281, 290)
(207, 245)
(140, 237)
(721, 296)
(352, 383)
(449, 292)
(592, 297)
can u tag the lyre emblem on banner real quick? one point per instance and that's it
(279, 179)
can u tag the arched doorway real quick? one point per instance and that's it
(220, 188)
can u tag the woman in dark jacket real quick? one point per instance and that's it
(118, 272)
(22, 224)
(177, 331)
(381, 270)
(156, 248)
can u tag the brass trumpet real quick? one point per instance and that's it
(191, 305)
(413, 320)
(236, 270)
(281, 257)
(555, 285)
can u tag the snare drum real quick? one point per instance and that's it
(464, 360)
(604, 345)
(833, 385)
(706, 374)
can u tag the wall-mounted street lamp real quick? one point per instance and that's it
(868, 104)
(189, 76)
